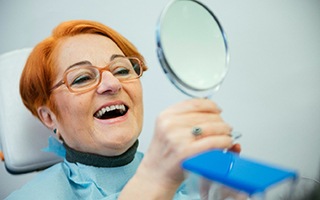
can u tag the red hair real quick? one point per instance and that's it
(39, 71)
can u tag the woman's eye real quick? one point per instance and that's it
(121, 72)
(82, 79)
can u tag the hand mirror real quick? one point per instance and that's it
(192, 47)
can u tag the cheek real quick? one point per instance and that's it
(70, 106)
(63, 104)
(134, 91)
(138, 101)
(136, 95)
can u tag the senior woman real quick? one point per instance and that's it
(83, 83)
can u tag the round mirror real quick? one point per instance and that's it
(192, 47)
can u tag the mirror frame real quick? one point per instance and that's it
(173, 77)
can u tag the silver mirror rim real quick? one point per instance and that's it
(173, 77)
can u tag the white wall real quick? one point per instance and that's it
(271, 94)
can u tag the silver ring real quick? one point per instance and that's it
(196, 131)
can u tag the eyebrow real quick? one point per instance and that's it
(116, 56)
(86, 62)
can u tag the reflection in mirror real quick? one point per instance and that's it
(192, 47)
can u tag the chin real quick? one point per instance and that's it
(117, 146)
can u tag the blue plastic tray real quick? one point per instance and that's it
(236, 172)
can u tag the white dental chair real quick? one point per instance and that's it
(22, 135)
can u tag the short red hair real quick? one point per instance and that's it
(40, 69)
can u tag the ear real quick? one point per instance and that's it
(47, 117)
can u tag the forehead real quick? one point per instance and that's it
(97, 49)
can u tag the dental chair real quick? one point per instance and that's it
(23, 137)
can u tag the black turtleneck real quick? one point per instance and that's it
(96, 160)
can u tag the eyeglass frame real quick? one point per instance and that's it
(64, 81)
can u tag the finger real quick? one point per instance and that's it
(207, 143)
(195, 105)
(191, 120)
(169, 121)
(209, 129)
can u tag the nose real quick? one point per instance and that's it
(109, 84)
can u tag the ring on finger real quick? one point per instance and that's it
(196, 131)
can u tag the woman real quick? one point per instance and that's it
(83, 84)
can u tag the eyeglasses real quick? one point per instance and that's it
(81, 79)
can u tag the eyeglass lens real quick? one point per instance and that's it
(84, 77)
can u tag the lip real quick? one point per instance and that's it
(113, 120)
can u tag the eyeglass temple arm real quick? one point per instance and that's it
(57, 85)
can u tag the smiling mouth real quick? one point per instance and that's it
(112, 111)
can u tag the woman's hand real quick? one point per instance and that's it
(173, 142)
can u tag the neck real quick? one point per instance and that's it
(96, 160)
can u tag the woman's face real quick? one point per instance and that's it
(77, 123)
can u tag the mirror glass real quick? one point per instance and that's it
(192, 47)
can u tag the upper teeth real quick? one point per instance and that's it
(101, 112)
